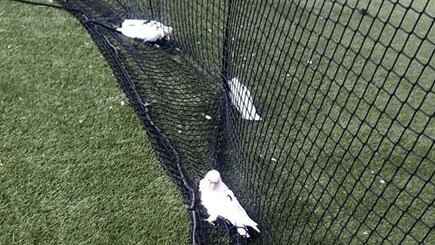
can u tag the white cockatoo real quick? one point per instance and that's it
(241, 98)
(220, 201)
(147, 30)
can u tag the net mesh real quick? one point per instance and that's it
(344, 153)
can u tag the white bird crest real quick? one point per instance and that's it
(241, 98)
(220, 201)
(149, 31)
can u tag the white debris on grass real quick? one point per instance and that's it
(382, 181)
(273, 159)
(122, 102)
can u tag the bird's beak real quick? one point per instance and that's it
(167, 31)
(212, 184)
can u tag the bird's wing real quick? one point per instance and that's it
(147, 30)
(146, 33)
(133, 22)
(202, 185)
(241, 98)
(234, 211)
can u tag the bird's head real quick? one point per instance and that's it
(213, 177)
(167, 30)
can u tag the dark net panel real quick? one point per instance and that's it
(345, 151)
(172, 95)
(346, 89)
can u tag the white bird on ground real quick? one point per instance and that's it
(241, 98)
(147, 30)
(220, 201)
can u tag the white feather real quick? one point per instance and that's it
(149, 31)
(241, 98)
(220, 201)
(133, 22)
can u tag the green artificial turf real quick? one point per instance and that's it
(343, 169)
(75, 164)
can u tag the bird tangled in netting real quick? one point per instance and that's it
(319, 115)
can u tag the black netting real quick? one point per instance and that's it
(344, 153)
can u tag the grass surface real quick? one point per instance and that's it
(75, 165)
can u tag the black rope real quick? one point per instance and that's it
(226, 58)
(48, 5)
(69, 9)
